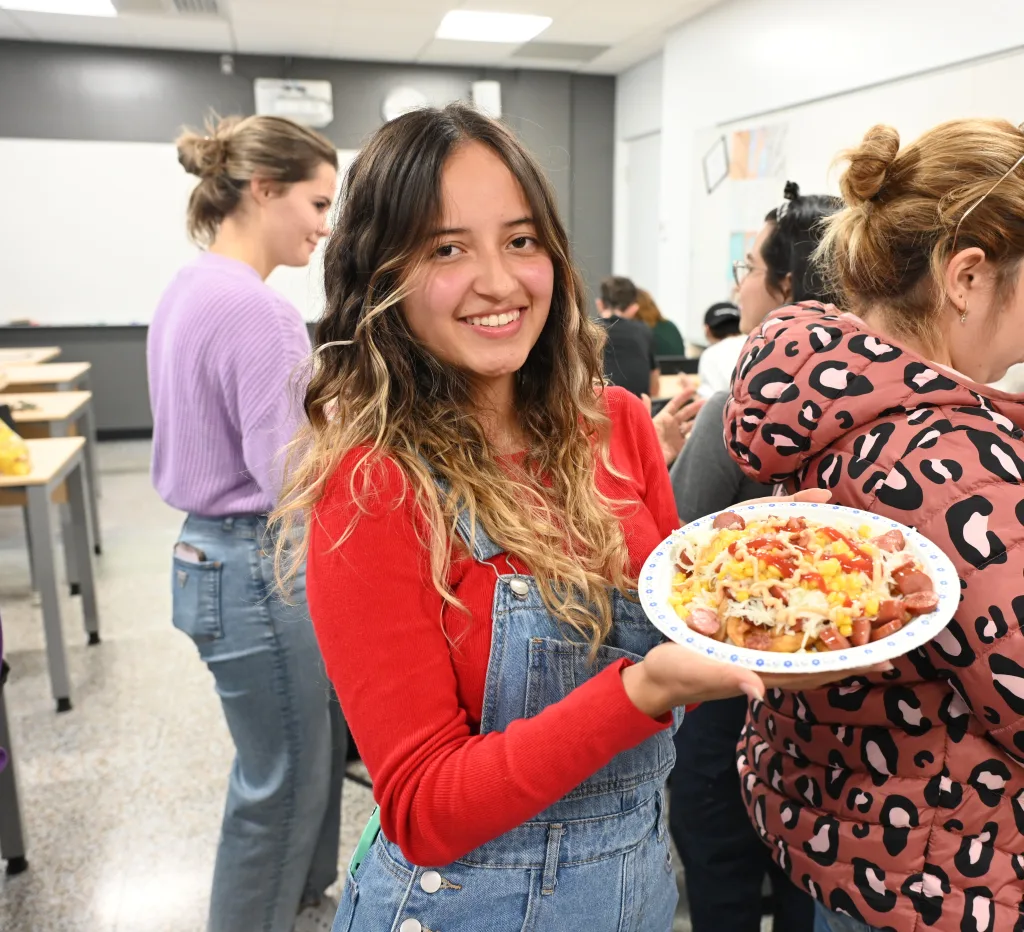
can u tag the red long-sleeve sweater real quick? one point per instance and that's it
(412, 685)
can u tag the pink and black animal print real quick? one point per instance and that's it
(896, 798)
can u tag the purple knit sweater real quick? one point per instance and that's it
(228, 362)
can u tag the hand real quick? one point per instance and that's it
(818, 496)
(674, 422)
(671, 676)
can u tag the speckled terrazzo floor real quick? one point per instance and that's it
(121, 797)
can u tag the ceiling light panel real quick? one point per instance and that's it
(480, 26)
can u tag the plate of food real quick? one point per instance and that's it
(791, 587)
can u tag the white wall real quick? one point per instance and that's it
(638, 114)
(747, 57)
(99, 231)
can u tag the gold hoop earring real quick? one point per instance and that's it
(963, 313)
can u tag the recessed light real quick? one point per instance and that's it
(478, 26)
(76, 7)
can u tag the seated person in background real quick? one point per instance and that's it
(668, 341)
(629, 351)
(722, 331)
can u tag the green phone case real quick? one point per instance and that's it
(366, 840)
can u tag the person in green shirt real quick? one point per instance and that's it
(668, 341)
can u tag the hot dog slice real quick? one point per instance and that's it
(729, 520)
(832, 639)
(883, 631)
(704, 621)
(892, 541)
(861, 632)
(921, 603)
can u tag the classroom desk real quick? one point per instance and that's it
(28, 356)
(57, 460)
(59, 377)
(47, 376)
(52, 414)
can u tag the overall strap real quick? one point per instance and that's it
(472, 533)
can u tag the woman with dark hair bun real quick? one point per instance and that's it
(724, 861)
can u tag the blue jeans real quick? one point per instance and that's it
(279, 837)
(827, 921)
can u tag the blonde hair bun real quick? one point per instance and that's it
(206, 155)
(870, 164)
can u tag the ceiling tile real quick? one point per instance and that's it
(384, 30)
(484, 54)
(10, 28)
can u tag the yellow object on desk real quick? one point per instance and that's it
(14, 458)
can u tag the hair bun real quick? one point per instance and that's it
(792, 191)
(870, 164)
(205, 155)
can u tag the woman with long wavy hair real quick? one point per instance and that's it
(474, 507)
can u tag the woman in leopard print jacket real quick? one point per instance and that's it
(897, 799)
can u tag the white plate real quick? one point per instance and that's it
(658, 571)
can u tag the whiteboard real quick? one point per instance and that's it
(92, 232)
(815, 134)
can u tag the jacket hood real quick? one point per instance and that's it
(855, 377)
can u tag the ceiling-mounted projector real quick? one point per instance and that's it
(310, 103)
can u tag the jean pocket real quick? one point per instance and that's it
(195, 600)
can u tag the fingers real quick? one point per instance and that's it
(751, 685)
(810, 495)
(818, 496)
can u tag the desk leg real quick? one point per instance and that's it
(87, 427)
(46, 578)
(12, 838)
(76, 486)
(60, 429)
(28, 545)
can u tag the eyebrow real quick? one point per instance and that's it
(458, 231)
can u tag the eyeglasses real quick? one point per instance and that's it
(741, 269)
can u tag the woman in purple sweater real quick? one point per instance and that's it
(226, 356)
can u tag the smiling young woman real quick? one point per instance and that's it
(475, 506)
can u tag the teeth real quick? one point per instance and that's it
(494, 320)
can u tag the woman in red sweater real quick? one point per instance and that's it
(477, 510)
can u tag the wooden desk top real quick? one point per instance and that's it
(28, 355)
(49, 456)
(49, 406)
(47, 373)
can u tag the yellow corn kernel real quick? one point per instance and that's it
(829, 568)
(762, 566)
(846, 630)
(741, 595)
(836, 598)
(748, 570)
(839, 546)
(871, 606)
(678, 579)
(864, 531)
(734, 568)
(774, 572)
(682, 611)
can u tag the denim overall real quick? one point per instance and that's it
(597, 860)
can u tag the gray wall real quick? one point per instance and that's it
(81, 92)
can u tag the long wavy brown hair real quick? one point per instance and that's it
(377, 390)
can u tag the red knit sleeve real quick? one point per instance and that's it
(443, 790)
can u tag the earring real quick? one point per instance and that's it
(963, 313)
